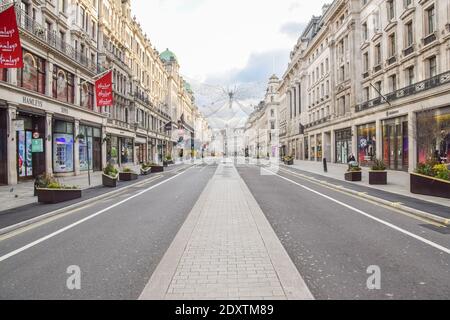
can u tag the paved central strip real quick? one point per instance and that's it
(226, 250)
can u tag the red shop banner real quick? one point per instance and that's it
(10, 47)
(103, 90)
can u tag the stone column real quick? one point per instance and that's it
(49, 143)
(12, 76)
(333, 147)
(412, 140)
(12, 145)
(77, 86)
(49, 79)
(76, 147)
(379, 141)
(355, 142)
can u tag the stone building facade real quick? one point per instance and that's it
(383, 90)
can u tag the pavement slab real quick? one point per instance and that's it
(226, 249)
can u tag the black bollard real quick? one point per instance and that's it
(325, 167)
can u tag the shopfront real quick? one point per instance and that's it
(3, 147)
(140, 150)
(120, 150)
(367, 144)
(319, 148)
(90, 148)
(343, 145)
(30, 135)
(433, 135)
(395, 143)
(63, 146)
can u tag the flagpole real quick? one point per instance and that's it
(101, 74)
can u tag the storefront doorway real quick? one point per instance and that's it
(90, 148)
(30, 147)
(343, 145)
(395, 143)
(3, 148)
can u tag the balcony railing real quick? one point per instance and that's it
(317, 122)
(429, 39)
(27, 24)
(436, 81)
(391, 60)
(377, 68)
(408, 51)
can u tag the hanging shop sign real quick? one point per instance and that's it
(103, 90)
(11, 55)
(37, 145)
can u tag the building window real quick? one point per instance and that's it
(366, 94)
(393, 82)
(63, 85)
(87, 95)
(432, 67)
(3, 74)
(378, 54)
(409, 34)
(430, 15)
(366, 61)
(391, 9)
(32, 75)
(410, 78)
(365, 31)
(392, 43)
(378, 87)
(407, 3)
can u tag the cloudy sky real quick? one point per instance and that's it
(227, 43)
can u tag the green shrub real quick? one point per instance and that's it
(378, 165)
(441, 172)
(426, 169)
(127, 170)
(110, 170)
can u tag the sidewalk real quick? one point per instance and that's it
(398, 181)
(226, 249)
(22, 194)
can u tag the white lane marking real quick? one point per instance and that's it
(34, 243)
(390, 225)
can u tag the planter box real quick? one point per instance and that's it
(110, 182)
(157, 169)
(165, 163)
(51, 196)
(353, 176)
(146, 172)
(378, 177)
(127, 176)
(289, 163)
(429, 186)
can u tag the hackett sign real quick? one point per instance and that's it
(10, 47)
(33, 102)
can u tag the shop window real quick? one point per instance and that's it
(63, 85)
(87, 95)
(366, 144)
(433, 136)
(63, 144)
(32, 75)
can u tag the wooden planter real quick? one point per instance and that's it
(289, 163)
(157, 169)
(146, 172)
(165, 163)
(353, 176)
(51, 196)
(429, 186)
(128, 176)
(110, 182)
(378, 177)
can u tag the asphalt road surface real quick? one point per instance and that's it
(117, 250)
(333, 239)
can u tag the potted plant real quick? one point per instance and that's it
(156, 168)
(50, 191)
(431, 179)
(146, 169)
(288, 160)
(169, 160)
(110, 176)
(127, 175)
(354, 173)
(378, 173)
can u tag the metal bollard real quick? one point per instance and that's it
(325, 166)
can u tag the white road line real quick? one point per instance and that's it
(390, 225)
(34, 243)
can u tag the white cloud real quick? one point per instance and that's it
(217, 39)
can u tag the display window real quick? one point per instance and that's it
(63, 147)
(3, 74)
(126, 150)
(32, 75)
(63, 85)
(433, 136)
(367, 144)
(396, 143)
(343, 145)
(87, 95)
